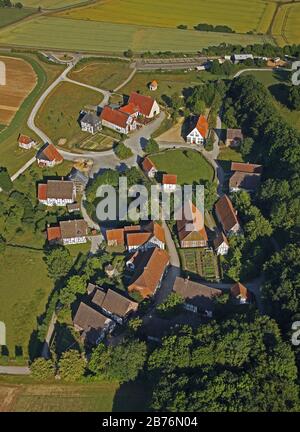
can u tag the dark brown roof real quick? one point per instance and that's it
(244, 181)
(226, 213)
(191, 214)
(73, 228)
(87, 318)
(246, 167)
(60, 189)
(114, 302)
(220, 239)
(233, 134)
(195, 293)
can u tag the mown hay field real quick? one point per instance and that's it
(91, 36)
(19, 80)
(241, 15)
(286, 26)
(51, 4)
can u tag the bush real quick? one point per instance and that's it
(152, 146)
(71, 366)
(42, 369)
(5, 181)
(123, 152)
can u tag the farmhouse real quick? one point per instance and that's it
(234, 137)
(68, 232)
(149, 168)
(199, 133)
(197, 297)
(25, 142)
(57, 192)
(90, 123)
(115, 237)
(227, 216)
(117, 120)
(246, 167)
(196, 236)
(136, 238)
(48, 156)
(144, 106)
(169, 182)
(137, 241)
(244, 181)
(237, 58)
(113, 304)
(240, 293)
(149, 273)
(221, 244)
(92, 324)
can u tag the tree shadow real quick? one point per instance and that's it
(133, 396)
(281, 93)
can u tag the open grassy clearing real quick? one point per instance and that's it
(61, 33)
(286, 26)
(51, 4)
(101, 73)
(11, 15)
(11, 155)
(59, 114)
(241, 15)
(190, 166)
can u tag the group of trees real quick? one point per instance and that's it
(122, 151)
(294, 97)
(9, 4)
(212, 28)
(261, 50)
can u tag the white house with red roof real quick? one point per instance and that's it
(118, 120)
(199, 133)
(48, 156)
(221, 244)
(144, 106)
(26, 142)
(149, 168)
(57, 193)
(169, 182)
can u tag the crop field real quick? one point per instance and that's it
(20, 79)
(286, 26)
(241, 15)
(59, 114)
(190, 166)
(68, 34)
(11, 15)
(51, 4)
(101, 73)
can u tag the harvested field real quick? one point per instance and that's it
(20, 81)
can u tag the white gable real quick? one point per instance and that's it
(195, 133)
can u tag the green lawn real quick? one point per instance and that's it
(58, 116)
(11, 15)
(190, 166)
(241, 15)
(51, 32)
(101, 73)
(10, 155)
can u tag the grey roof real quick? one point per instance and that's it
(78, 176)
(195, 293)
(91, 119)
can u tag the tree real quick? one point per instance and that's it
(210, 194)
(246, 147)
(75, 285)
(151, 146)
(42, 369)
(199, 107)
(128, 53)
(5, 180)
(122, 362)
(294, 97)
(59, 262)
(122, 151)
(71, 366)
(171, 305)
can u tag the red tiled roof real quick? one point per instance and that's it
(144, 103)
(24, 139)
(42, 192)
(116, 235)
(239, 290)
(135, 228)
(226, 213)
(191, 215)
(147, 164)
(202, 126)
(137, 239)
(115, 117)
(246, 167)
(51, 153)
(129, 109)
(53, 233)
(169, 179)
(159, 232)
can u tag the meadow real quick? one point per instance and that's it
(241, 15)
(286, 26)
(70, 34)
(58, 116)
(101, 73)
(11, 15)
(190, 166)
(51, 4)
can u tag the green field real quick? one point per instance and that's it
(241, 15)
(91, 36)
(101, 73)
(58, 116)
(200, 262)
(11, 15)
(190, 166)
(286, 26)
(51, 4)
(11, 155)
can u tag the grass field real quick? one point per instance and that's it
(10, 155)
(61, 33)
(190, 166)
(286, 26)
(58, 116)
(23, 395)
(101, 73)
(241, 15)
(11, 15)
(51, 4)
